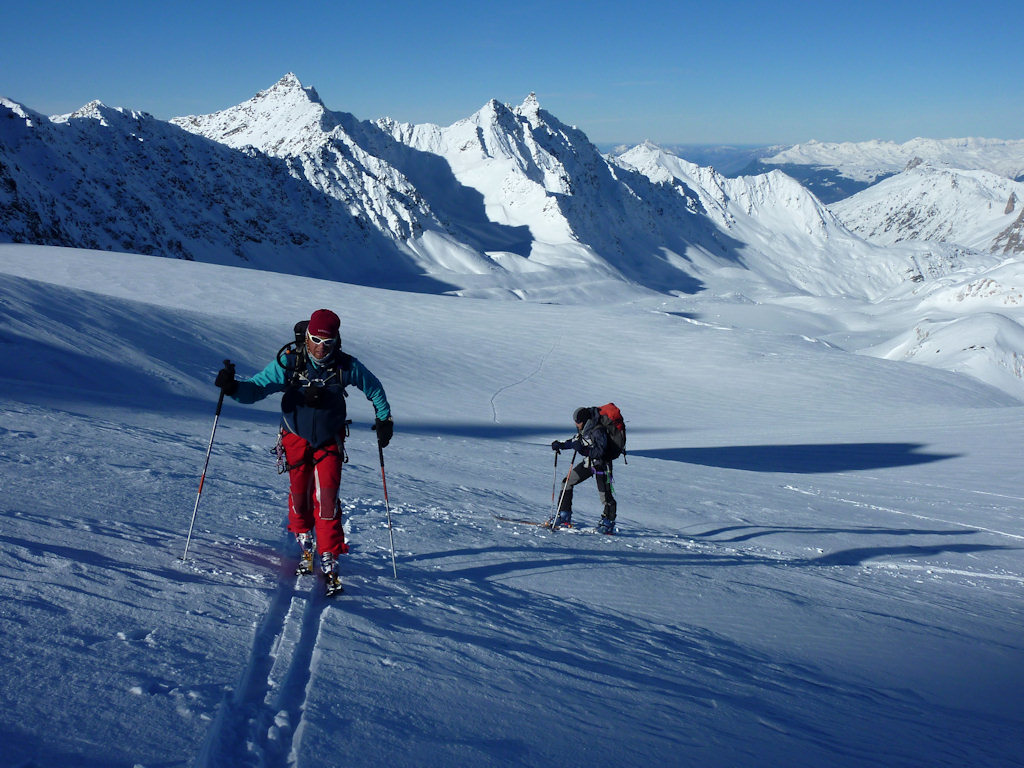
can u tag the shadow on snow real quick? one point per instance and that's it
(800, 459)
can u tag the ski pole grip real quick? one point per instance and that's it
(220, 400)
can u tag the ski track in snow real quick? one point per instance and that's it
(534, 372)
(260, 723)
(915, 515)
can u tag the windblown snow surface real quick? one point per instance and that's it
(819, 558)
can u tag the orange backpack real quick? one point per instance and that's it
(610, 417)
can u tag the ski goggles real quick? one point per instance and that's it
(326, 341)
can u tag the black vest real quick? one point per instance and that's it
(313, 403)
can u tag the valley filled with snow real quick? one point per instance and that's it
(819, 558)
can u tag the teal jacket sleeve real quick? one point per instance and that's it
(268, 381)
(359, 376)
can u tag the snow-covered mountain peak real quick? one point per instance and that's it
(333, 152)
(530, 109)
(289, 90)
(493, 113)
(665, 167)
(94, 109)
(107, 116)
(750, 195)
(285, 119)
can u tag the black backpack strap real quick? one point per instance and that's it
(294, 366)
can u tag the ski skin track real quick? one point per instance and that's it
(259, 721)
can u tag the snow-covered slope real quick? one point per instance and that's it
(971, 322)
(819, 559)
(974, 209)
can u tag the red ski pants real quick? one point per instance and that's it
(314, 480)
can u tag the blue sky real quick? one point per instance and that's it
(672, 72)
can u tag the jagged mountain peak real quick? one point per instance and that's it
(285, 119)
(290, 88)
(93, 109)
(530, 108)
(492, 110)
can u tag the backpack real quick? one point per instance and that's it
(610, 417)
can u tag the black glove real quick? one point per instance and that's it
(556, 445)
(226, 379)
(384, 430)
(559, 445)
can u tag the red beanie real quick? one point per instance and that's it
(324, 323)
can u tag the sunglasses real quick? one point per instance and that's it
(330, 342)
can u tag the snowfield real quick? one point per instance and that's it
(819, 559)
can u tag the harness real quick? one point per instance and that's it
(282, 457)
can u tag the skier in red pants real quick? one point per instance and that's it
(313, 376)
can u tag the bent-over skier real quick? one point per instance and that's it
(592, 442)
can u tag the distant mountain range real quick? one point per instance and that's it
(870, 161)
(837, 170)
(508, 202)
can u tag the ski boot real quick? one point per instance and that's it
(561, 520)
(606, 525)
(330, 568)
(305, 541)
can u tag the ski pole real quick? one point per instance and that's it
(202, 478)
(554, 484)
(387, 506)
(566, 483)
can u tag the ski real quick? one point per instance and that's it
(333, 588)
(547, 525)
(521, 521)
(571, 528)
